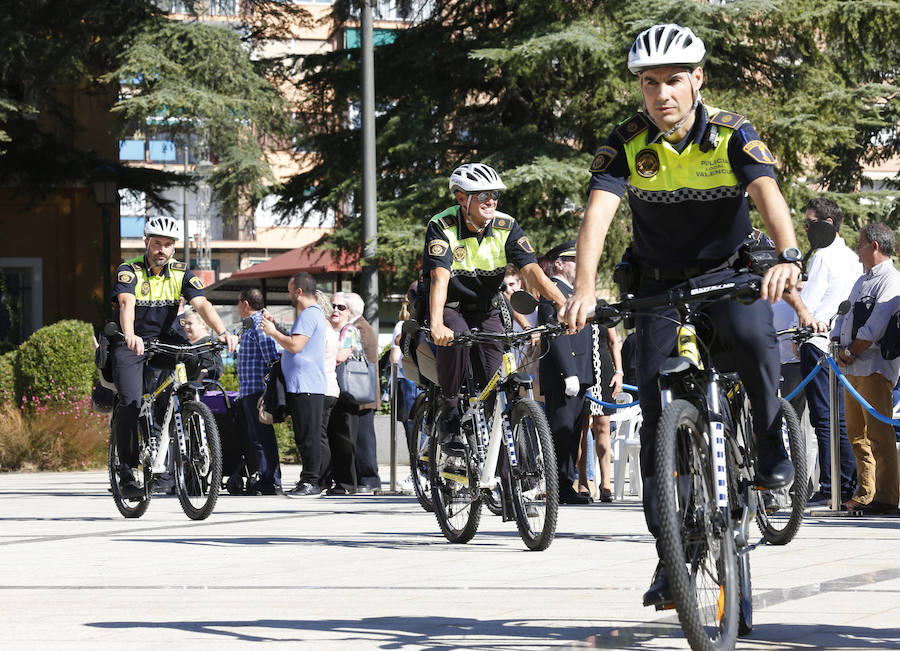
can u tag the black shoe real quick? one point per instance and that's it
(304, 489)
(568, 495)
(128, 487)
(774, 472)
(339, 490)
(877, 508)
(362, 489)
(819, 498)
(452, 442)
(658, 593)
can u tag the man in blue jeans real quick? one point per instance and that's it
(257, 351)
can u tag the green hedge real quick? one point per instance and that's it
(7, 375)
(58, 357)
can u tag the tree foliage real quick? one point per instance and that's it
(533, 87)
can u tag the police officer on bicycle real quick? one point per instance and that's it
(467, 248)
(145, 304)
(687, 168)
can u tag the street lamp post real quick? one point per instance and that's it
(106, 194)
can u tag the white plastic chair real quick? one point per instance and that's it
(626, 449)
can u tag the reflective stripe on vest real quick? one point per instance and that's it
(659, 174)
(471, 257)
(156, 291)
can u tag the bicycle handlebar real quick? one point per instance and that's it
(152, 345)
(509, 339)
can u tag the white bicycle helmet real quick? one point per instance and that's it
(665, 45)
(475, 177)
(162, 226)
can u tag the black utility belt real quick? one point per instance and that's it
(685, 273)
(470, 308)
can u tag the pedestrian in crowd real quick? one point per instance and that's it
(208, 363)
(367, 476)
(257, 351)
(832, 269)
(875, 297)
(406, 388)
(332, 391)
(688, 169)
(566, 370)
(303, 366)
(343, 425)
(607, 359)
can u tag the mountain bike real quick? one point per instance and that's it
(422, 413)
(522, 485)
(706, 472)
(187, 422)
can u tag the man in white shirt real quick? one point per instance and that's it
(832, 270)
(875, 297)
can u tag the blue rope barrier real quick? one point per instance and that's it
(806, 380)
(853, 392)
(629, 387)
(612, 405)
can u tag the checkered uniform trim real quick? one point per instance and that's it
(156, 303)
(490, 273)
(685, 194)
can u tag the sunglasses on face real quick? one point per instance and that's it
(339, 308)
(483, 197)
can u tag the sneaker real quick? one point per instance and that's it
(128, 487)
(449, 436)
(819, 498)
(304, 489)
(339, 490)
(164, 483)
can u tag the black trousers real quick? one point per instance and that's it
(451, 360)
(306, 417)
(566, 416)
(130, 376)
(325, 454)
(742, 339)
(343, 429)
(366, 451)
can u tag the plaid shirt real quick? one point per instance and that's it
(256, 350)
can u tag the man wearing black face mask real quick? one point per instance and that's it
(832, 269)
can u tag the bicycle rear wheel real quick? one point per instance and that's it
(198, 473)
(419, 437)
(454, 494)
(780, 512)
(696, 539)
(535, 483)
(129, 508)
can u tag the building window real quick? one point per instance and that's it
(21, 300)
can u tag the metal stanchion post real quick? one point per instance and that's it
(835, 429)
(393, 427)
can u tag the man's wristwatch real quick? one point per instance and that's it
(849, 353)
(792, 254)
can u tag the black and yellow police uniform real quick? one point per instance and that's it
(477, 263)
(155, 312)
(690, 217)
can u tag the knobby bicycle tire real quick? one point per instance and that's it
(535, 482)
(696, 542)
(780, 526)
(198, 474)
(745, 611)
(128, 508)
(417, 445)
(454, 494)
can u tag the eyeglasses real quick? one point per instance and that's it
(339, 308)
(482, 197)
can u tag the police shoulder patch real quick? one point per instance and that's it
(602, 159)
(196, 282)
(179, 266)
(447, 221)
(525, 245)
(437, 248)
(757, 150)
(459, 253)
(727, 119)
(629, 129)
(125, 277)
(503, 223)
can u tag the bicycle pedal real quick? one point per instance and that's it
(665, 606)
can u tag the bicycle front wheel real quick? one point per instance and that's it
(780, 512)
(696, 539)
(419, 437)
(198, 472)
(129, 508)
(535, 483)
(454, 494)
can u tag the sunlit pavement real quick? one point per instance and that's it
(374, 572)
